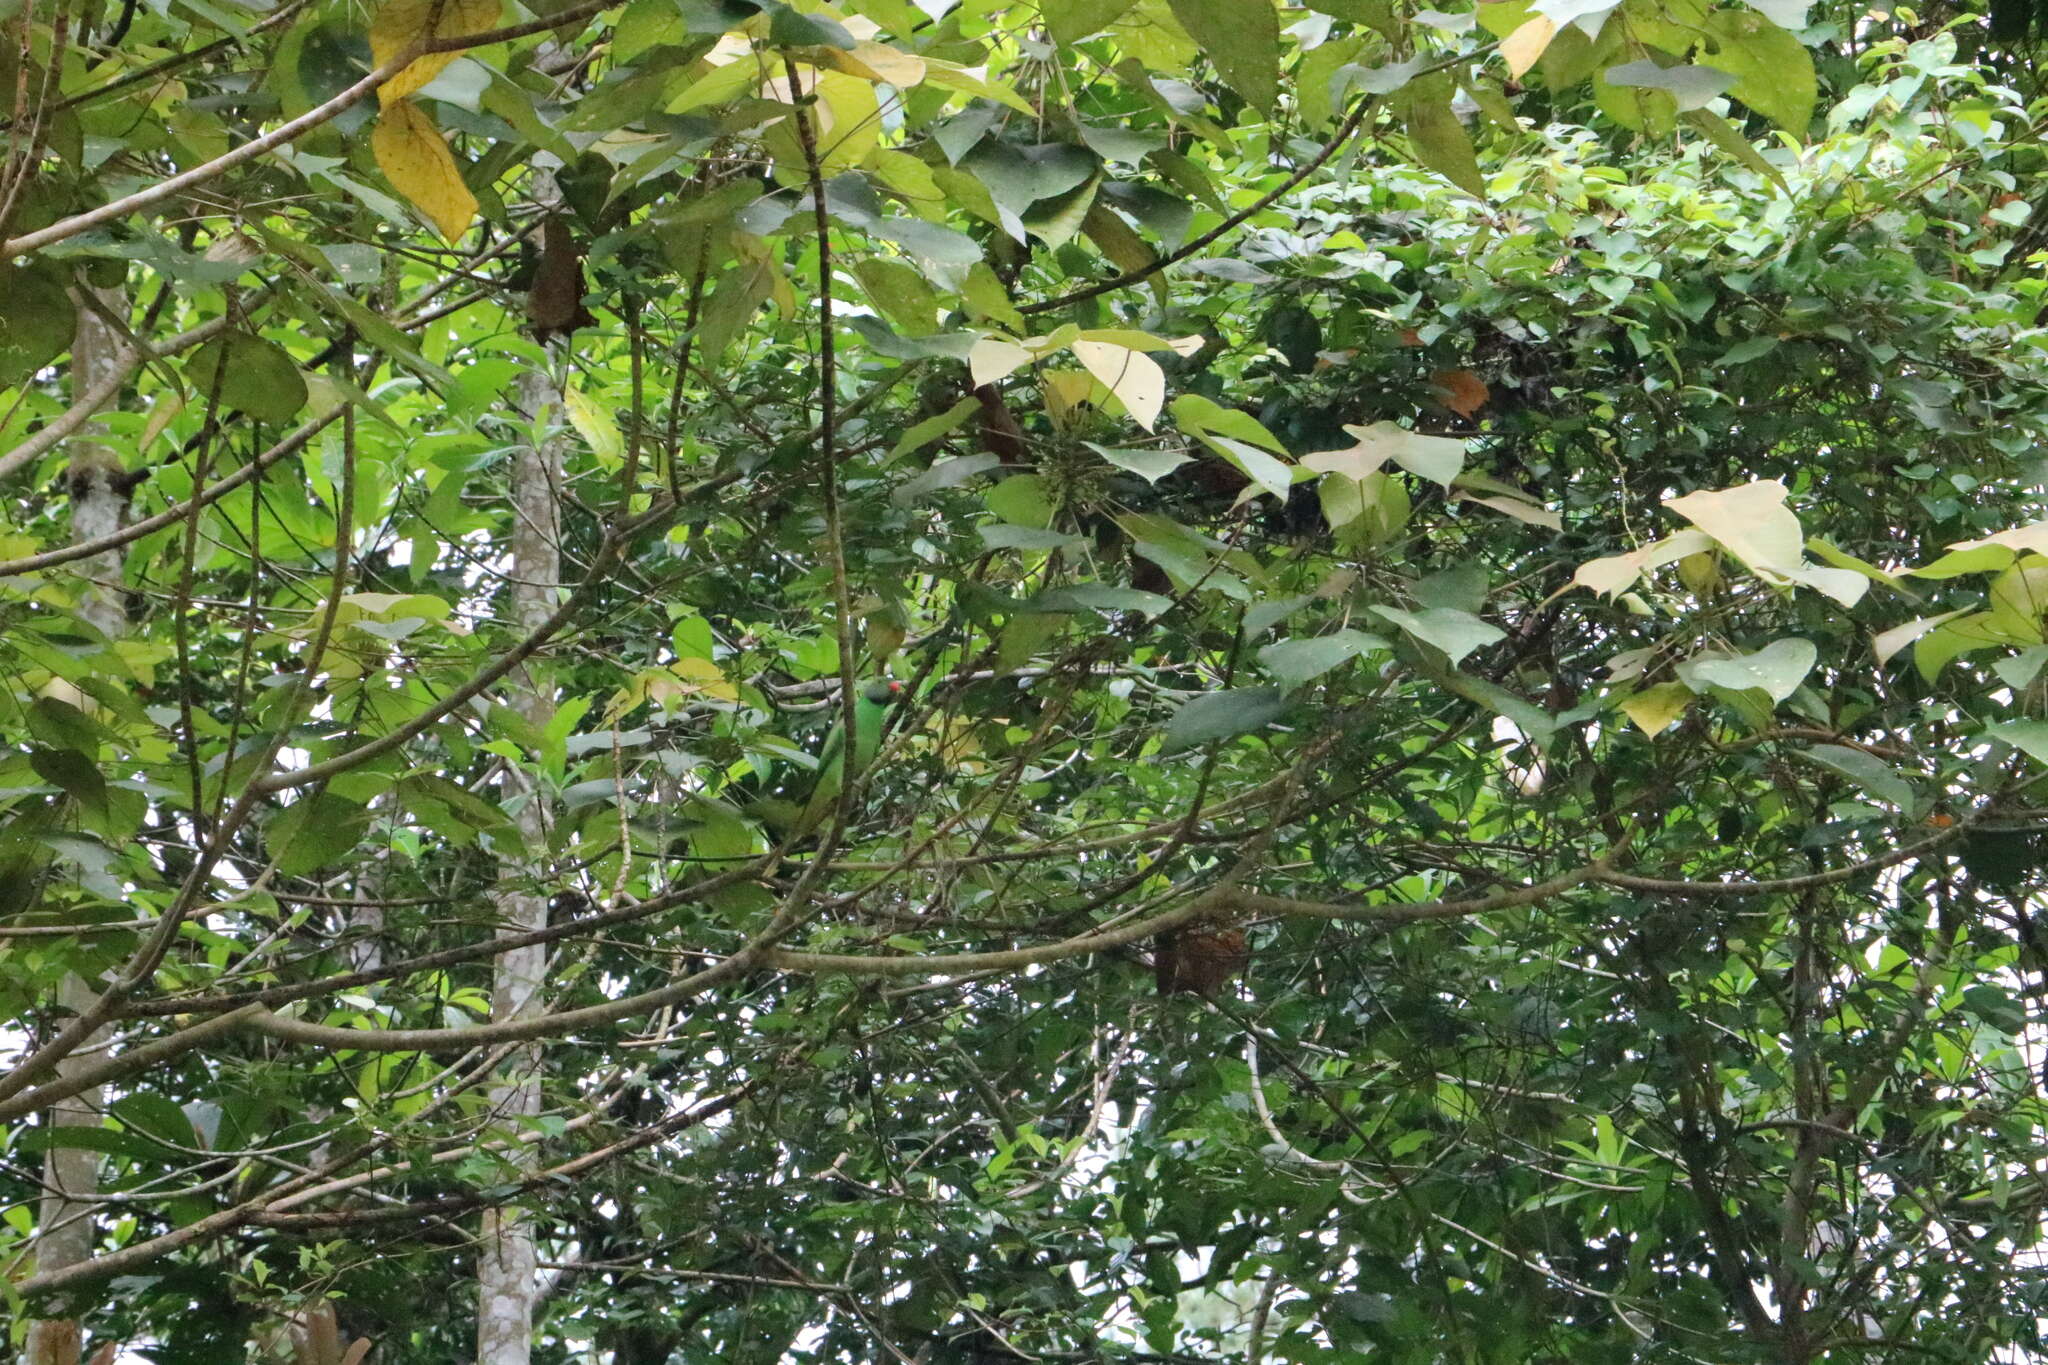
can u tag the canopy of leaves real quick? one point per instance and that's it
(1529, 514)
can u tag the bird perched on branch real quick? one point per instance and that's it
(871, 705)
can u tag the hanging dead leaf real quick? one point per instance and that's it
(416, 160)
(1198, 961)
(1000, 433)
(403, 23)
(1462, 391)
(554, 306)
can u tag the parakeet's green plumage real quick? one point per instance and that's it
(870, 708)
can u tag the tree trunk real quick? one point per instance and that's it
(506, 1285)
(99, 504)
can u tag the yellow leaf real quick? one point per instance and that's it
(1134, 377)
(993, 358)
(1065, 391)
(1614, 573)
(846, 123)
(1751, 520)
(1655, 708)
(414, 158)
(879, 62)
(402, 23)
(1526, 44)
(1518, 508)
(594, 425)
(952, 76)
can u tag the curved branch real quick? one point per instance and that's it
(1223, 900)
(1783, 885)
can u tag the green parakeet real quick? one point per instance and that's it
(870, 707)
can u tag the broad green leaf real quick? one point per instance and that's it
(922, 434)
(1223, 715)
(36, 318)
(254, 376)
(1866, 770)
(1456, 633)
(944, 474)
(1021, 500)
(1729, 139)
(1069, 21)
(1197, 414)
(1242, 37)
(314, 831)
(2030, 737)
(1772, 70)
(77, 774)
(1100, 597)
(1297, 661)
(155, 1116)
(1440, 140)
(1775, 670)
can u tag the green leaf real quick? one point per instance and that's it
(1297, 661)
(1149, 465)
(1197, 415)
(36, 318)
(75, 773)
(1021, 500)
(1773, 71)
(1242, 38)
(1008, 537)
(1866, 770)
(255, 376)
(1775, 670)
(155, 1116)
(315, 830)
(1456, 633)
(1440, 140)
(81, 1138)
(944, 474)
(1069, 21)
(2030, 737)
(922, 434)
(1724, 135)
(1100, 597)
(1223, 715)
(61, 725)
(788, 27)
(1018, 177)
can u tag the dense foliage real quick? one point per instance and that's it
(1467, 597)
